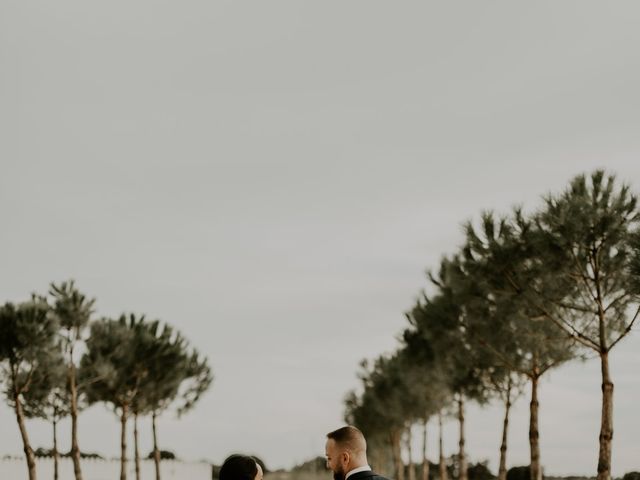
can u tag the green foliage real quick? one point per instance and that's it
(27, 345)
(427, 363)
(513, 303)
(164, 362)
(173, 372)
(108, 367)
(438, 339)
(393, 392)
(48, 397)
(134, 365)
(72, 309)
(591, 232)
(506, 269)
(130, 361)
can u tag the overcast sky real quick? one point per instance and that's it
(274, 178)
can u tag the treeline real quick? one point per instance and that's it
(524, 294)
(57, 360)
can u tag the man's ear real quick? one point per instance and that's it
(346, 457)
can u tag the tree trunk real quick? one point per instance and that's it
(123, 442)
(425, 461)
(156, 451)
(135, 442)
(396, 452)
(55, 450)
(442, 464)
(462, 458)
(534, 435)
(502, 469)
(606, 423)
(412, 472)
(28, 451)
(73, 391)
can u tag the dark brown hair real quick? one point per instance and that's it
(238, 467)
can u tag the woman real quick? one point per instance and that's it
(240, 467)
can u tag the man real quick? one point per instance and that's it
(346, 451)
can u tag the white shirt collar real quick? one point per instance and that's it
(366, 468)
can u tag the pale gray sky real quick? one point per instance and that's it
(273, 178)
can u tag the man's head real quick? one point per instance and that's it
(346, 449)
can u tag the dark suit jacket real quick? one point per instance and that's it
(367, 476)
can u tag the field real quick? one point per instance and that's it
(298, 476)
(16, 469)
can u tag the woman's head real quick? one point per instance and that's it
(240, 467)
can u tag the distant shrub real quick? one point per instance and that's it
(48, 452)
(95, 456)
(43, 452)
(480, 471)
(631, 476)
(518, 473)
(164, 455)
(475, 471)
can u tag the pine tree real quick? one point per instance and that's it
(73, 311)
(48, 397)
(27, 343)
(589, 231)
(508, 268)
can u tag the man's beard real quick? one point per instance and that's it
(338, 474)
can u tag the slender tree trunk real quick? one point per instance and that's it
(425, 461)
(55, 449)
(606, 423)
(502, 470)
(442, 464)
(156, 450)
(123, 442)
(135, 441)
(73, 391)
(28, 451)
(396, 452)
(462, 458)
(606, 419)
(534, 435)
(412, 472)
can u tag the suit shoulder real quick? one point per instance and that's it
(368, 475)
